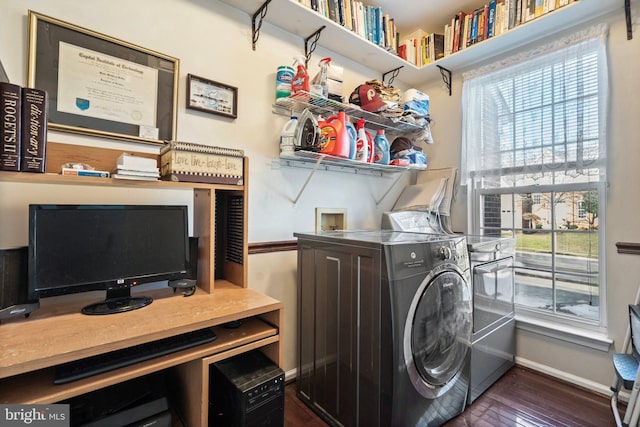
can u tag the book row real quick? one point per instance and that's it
(422, 49)
(493, 19)
(23, 128)
(369, 22)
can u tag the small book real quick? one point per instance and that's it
(10, 126)
(133, 172)
(34, 130)
(134, 177)
(130, 161)
(84, 172)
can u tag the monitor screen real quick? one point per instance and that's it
(79, 248)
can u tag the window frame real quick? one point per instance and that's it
(475, 178)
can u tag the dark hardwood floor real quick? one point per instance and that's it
(521, 398)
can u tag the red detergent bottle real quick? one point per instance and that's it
(334, 136)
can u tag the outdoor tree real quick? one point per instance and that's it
(590, 204)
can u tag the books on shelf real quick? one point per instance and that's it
(34, 130)
(10, 126)
(130, 161)
(23, 128)
(129, 166)
(84, 172)
(369, 22)
(493, 19)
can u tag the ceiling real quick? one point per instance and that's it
(428, 15)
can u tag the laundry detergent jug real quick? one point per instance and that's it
(334, 136)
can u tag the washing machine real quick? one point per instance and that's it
(385, 325)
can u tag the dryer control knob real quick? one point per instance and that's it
(445, 253)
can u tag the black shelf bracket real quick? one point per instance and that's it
(627, 13)
(446, 77)
(255, 28)
(394, 73)
(309, 48)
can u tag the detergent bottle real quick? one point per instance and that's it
(334, 136)
(300, 82)
(287, 137)
(381, 145)
(362, 143)
(353, 139)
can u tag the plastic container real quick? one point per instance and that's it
(284, 77)
(353, 139)
(321, 78)
(363, 144)
(334, 136)
(381, 147)
(288, 138)
(300, 82)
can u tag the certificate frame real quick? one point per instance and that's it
(212, 97)
(156, 91)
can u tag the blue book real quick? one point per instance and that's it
(474, 27)
(492, 19)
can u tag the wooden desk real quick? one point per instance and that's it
(30, 348)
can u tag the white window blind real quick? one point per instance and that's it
(534, 156)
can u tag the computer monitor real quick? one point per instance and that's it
(80, 248)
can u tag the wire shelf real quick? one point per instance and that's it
(323, 106)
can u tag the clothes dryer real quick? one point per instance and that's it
(385, 327)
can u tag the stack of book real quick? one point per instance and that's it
(136, 167)
(23, 128)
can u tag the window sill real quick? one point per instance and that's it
(590, 339)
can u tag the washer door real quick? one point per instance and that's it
(438, 332)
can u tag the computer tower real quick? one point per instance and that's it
(246, 391)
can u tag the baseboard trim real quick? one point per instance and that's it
(290, 375)
(593, 386)
(566, 377)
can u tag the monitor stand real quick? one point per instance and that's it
(118, 300)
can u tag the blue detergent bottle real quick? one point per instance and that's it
(381, 148)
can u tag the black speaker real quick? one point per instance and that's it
(14, 300)
(193, 258)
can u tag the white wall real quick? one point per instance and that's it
(213, 40)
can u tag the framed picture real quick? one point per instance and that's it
(100, 85)
(212, 97)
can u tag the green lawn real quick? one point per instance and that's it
(576, 243)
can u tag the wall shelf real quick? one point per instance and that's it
(318, 161)
(327, 107)
(300, 20)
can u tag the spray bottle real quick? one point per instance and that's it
(321, 78)
(300, 82)
(362, 143)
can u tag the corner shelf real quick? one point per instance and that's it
(302, 21)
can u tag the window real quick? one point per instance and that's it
(534, 162)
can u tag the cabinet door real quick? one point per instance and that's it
(339, 335)
(334, 382)
(306, 319)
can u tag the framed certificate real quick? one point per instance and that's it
(100, 85)
(212, 97)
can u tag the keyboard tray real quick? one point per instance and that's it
(101, 363)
